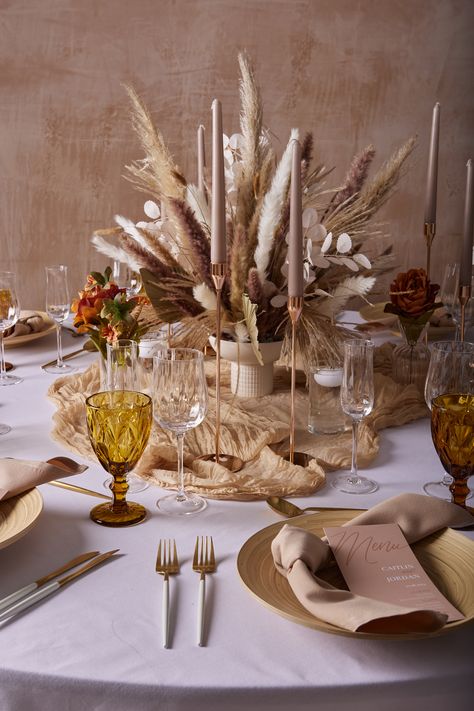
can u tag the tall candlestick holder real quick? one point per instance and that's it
(430, 232)
(229, 461)
(295, 308)
(464, 296)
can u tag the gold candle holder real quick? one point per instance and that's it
(295, 308)
(430, 232)
(233, 464)
(464, 296)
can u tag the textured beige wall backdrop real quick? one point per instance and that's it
(354, 72)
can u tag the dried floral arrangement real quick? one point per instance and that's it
(105, 312)
(172, 247)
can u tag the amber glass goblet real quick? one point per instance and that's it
(452, 429)
(119, 424)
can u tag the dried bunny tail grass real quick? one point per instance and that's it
(348, 218)
(238, 271)
(205, 296)
(251, 128)
(193, 238)
(272, 209)
(114, 251)
(158, 172)
(355, 178)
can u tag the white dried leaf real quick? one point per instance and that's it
(317, 232)
(152, 210)
(284, 269)
(321, 292)
(344, 243)
(278, 301)
(309, 217)
(350, 264)
(327, 243)
(362, 260)
(320, 261)
(250, 317)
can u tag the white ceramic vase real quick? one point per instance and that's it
(247, 377)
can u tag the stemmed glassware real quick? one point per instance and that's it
(9, 315)
(57, 308)
(126, 278)
(440, 378)
(119, 424)
(179, 403)
(449, 393)
(122, 374)
(449, 295)
(357, 400)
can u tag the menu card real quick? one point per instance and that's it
(377, 562)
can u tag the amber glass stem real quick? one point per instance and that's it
(119, 489)
(459, 488)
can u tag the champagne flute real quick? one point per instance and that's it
(179, 403)
(9, 315)
(119, 424)
(357, 400)
(57, 308)
(445, 374)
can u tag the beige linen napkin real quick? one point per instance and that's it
(17, 475)
(298, 554)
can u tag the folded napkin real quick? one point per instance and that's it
(17, 475)
(298, 554)
(30, 322)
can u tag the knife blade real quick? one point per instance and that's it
(66, 357)
(49, 588)
(22, 592)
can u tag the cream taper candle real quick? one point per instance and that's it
(218, 236)
(201, 158)
(432, 174)
(295, 247)
(465, 273)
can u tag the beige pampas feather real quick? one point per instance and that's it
(114, 252)
(205, 296)
(350, 287)
(158, 173)
(272, 208)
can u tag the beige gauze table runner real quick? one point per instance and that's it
(252, 429)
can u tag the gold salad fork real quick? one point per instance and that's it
(166, 564)
(204, 561)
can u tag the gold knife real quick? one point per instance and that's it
(46, 590)
(78, 489)
(22, 592)
(66, 357)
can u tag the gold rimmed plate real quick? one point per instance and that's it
(49, 327)
(447, 557)
(18, 515)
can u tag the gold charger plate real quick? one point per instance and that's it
(14, 341)
(447, 557)
(18, 515)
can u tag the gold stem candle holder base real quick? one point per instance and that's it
(295, 308)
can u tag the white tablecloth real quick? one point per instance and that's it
(96, 644)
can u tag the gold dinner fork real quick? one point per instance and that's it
(204, 561)
(166, 564)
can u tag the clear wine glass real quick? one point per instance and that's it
(122, 374)
(449, 295)
(57, 308)
(9, 315)
(446, 374)
(179, 403)
(126, 278)
(357, 400)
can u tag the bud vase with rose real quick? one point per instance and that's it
(413, 300)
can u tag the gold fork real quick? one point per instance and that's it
(166, 564)
(204, 561)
